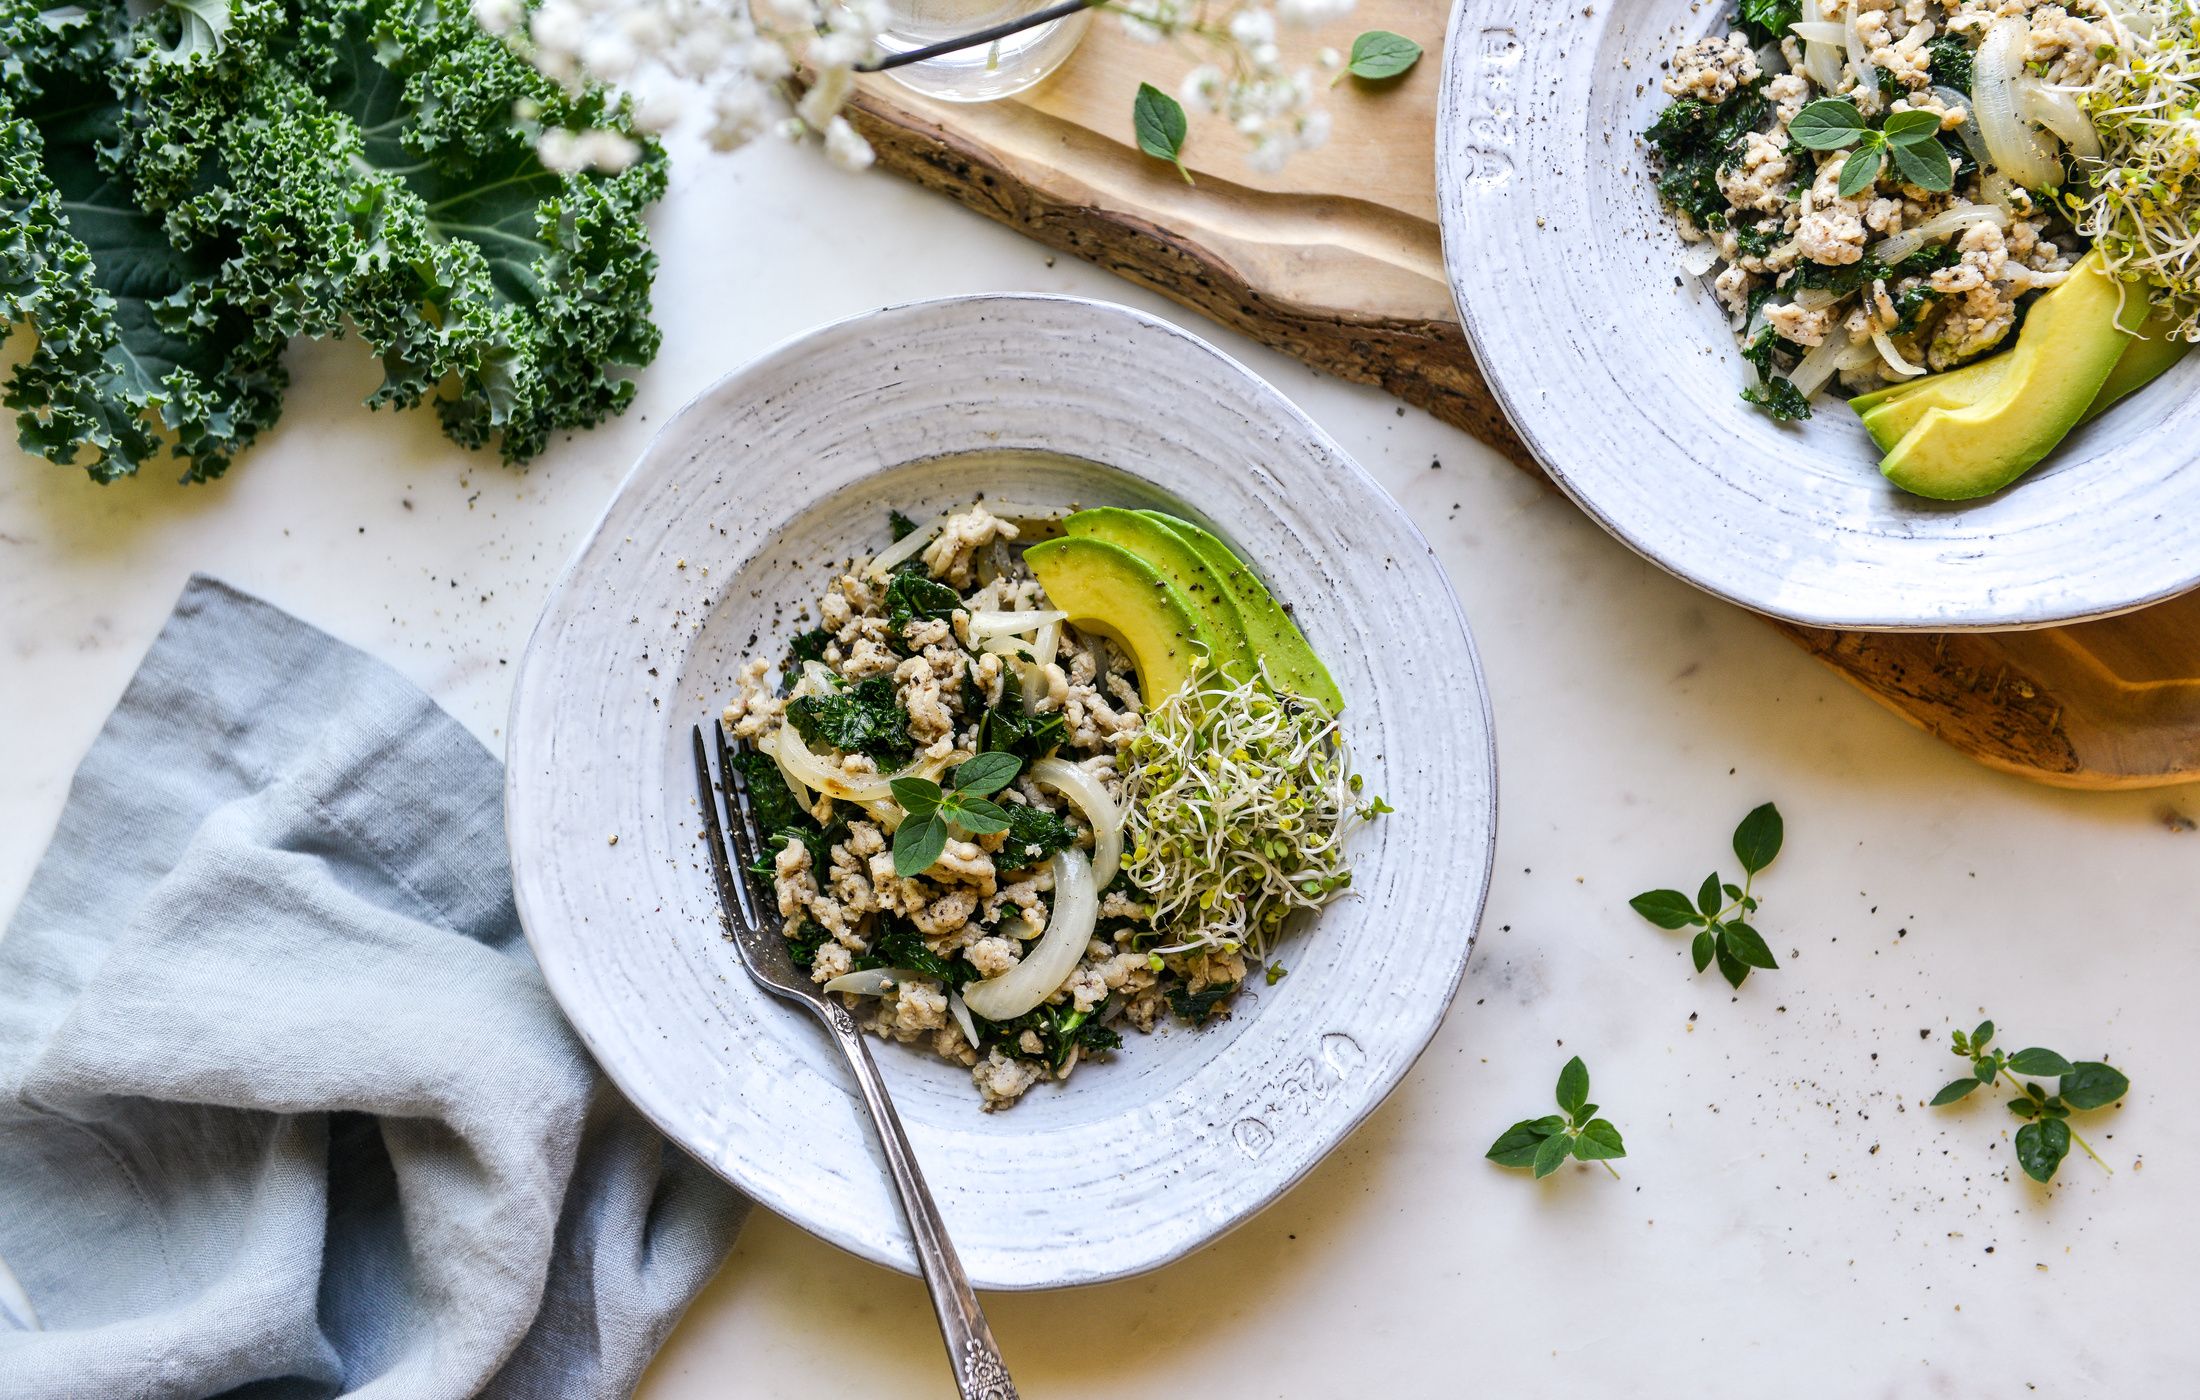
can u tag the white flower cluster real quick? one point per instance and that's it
(1271, 106)
(726, 63)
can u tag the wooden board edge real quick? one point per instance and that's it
(1426, 363)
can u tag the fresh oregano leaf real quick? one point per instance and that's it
(1733, 969)
(1758, 839)
(1516, 1146)
(918, 843)
(1827, 124)
(1911, 128)
(2041, 1146)
(1955, 1091)
(2039, 1061)
(1926, 166)
(1381, 54)
(1159, 122)
(1748, 947)
(1700, 950)
(987, 773)
(1860, 170)
(2091, 1084)
(919, 797)
(1599, 1141)
(1709, 896)
(1549, 1153)
(977, 816)
(1573, 1086)
(1665, 908)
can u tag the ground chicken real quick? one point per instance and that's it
(1710, 69)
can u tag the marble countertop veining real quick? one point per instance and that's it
(1791, 1215)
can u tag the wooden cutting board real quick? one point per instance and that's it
(1336, 260)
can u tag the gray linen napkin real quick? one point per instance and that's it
(285, 1108)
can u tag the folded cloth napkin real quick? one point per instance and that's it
(285, 1108)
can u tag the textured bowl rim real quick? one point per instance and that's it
(765, 1190)
(1489, 355)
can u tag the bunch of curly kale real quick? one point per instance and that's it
(187, 190)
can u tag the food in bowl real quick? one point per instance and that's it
(1977, 217)
(1028, 782)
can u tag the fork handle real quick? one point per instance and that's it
(979, 1374)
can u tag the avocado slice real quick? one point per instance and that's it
(1890, 413)
(2064, 353)
(1109, 590)
(1273, 636)
(1185, 570)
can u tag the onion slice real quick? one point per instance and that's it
(2059, 112)
(1956, 100)
(908, 547)
(1893, 357)
(806, 770)
(1947, 223)
(961, 1013)
(986, 625)
(874, 981)
(1048, 964)
(1820, 365)
(1818, 31)
(2015, 144)
(1086, 793)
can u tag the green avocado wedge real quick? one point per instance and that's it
(1184, 568)
(2069, 343)
(1273, 636)
(1109, 590)
(1890, 413)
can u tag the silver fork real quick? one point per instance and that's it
(979, 1373)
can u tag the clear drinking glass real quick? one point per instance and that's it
(987, 71)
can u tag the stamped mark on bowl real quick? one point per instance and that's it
(1301, 1087)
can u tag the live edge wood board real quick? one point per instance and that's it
(1336, 261)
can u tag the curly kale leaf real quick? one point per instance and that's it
(1008, 728)
(1951, 61)
(865, 718)
(1196, 1007)
(911, 595)
(898, 944)
(1034, 833)
(1695, 140)
(1779, 398)
(273, 168)
(1767, 21)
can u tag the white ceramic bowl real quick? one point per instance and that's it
(729, 528)
(1619, 371)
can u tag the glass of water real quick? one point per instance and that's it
(984, 71)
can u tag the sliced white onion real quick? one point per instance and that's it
(1948, 223)
(961, 1013)
(875, 981)
(805, 769)
(2002, 192)
(1818, 31)
(1867, 77)
(1820, 365)
(984, 625)
(1772, 60)
(1821, 58)
(2059, 112)
(1817, 298)
(1089, 797)
(1973, 141)
(1892, 357)
(1049, 963)
(908, 547)
(1696, 259)
(2015, 145)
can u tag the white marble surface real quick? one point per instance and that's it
(1792, 1217)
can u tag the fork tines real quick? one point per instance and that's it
(731, 790)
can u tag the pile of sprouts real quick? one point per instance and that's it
(2140, 201)
(1238, 800)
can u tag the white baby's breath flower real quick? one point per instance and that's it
(844, 147)
(1204, 88)
(1253, 27)
(498, 17)
(1308, 13)
(586, 150)
(1151, 21)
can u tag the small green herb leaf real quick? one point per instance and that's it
(1926, 165)
(2041, 1146)
(977, 816)
(1758, 839)
(1981, 1036)
(1708, 896)
(1954, 1091)
(918, 843)
(987, 773)
(1158, 119)
(2091, 1084)
(1911, 128)
(2024, 1108)
(1700, 950)
(1748, 947)
(919, 797)
(1860, 170)
(1665, 908)
(1516, 1148)
(1381, 54)
(1599, 1141)
(1827, 124)
(1549, 1153)
(2039, 1061)
(1733, 969)
(1573, 1086)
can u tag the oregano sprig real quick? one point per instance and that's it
(962, 807)
(1717, 911)
(1910, 139)
(1542, 1144)
(2045, 1138)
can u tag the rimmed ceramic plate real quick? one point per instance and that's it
(734, 520)
(1618, 370)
